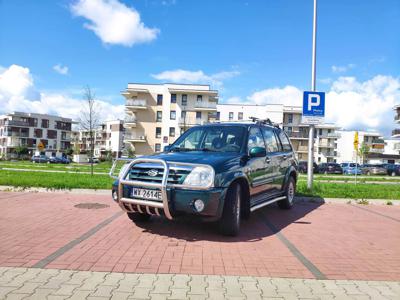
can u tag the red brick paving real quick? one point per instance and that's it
(342, 241)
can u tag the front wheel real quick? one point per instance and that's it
(229, 223)
(138, 217)
(290, 191)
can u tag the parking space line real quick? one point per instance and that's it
(292, 248)
(376, 213)
(45, 261)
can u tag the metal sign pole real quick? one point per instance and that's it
(310, 165)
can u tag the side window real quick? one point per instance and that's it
(285, 142)
(255, 138)
(270, 140)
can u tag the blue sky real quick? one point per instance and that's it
(257, 45)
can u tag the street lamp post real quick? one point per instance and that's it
(310, 165)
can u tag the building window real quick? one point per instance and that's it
(290, 118)
(184, 99)
(218, 115)
(199, 98)
(172, 115)
(158, 132)
(173, 98)
(172, 131)
(45, 123)
(230, 116)
(240, 116)
(159, 99)
(157, 147)
(183, 114)
(198, 114)
(38, 133)
(320, 131)
(159, 116)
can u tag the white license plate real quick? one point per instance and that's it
(146, 194)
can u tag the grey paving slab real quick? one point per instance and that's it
(25, 283)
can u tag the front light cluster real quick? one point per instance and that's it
(200, 176)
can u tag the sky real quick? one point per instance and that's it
(255, 51)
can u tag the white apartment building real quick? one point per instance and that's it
(107, 137)
(31, 129)
(156, 114)
(373, 140)
(396, 132)
(240, 112)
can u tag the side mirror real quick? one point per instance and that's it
(167, 148)
(258, 152)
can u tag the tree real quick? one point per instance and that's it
(363, 151)
(21, 150)
(89, 119)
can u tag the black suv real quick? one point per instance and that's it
(303, 165)
(330, 168)
(219, 172)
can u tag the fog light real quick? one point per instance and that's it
(198, 205)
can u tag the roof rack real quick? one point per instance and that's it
(264, 121)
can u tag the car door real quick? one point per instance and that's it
(286, 157)
(258, 169)
(275, 157)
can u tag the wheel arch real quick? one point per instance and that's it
(245, 194)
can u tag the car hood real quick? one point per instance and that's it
(220, 161)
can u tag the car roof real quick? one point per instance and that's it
(241, 123)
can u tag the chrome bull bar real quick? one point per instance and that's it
(164, 205)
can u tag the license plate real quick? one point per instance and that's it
(146, 194)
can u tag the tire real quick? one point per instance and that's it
(138, 217)
(229, 223)
(290, 191)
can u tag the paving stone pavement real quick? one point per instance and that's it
(34, 283)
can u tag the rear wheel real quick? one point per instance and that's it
(138, 217)
(290, 191)
(229, 223)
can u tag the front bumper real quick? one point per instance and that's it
(176, 199)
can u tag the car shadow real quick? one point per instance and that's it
(264, 222)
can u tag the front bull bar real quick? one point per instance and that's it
(164, 205)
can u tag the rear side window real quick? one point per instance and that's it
(255, 138)
(270, 140)
(285, 142)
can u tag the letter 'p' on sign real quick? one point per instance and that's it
(313, 107)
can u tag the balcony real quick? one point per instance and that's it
(331, 135)
(136, 104)
(298, 135)
(326, 145)
(205, 106)
(16, 123)
(302, 149)
(129, 121)
(397, 117)
(376, 150)
(135, 137)
(189, 122)
(396, 133)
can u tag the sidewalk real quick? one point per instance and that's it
(29, 283)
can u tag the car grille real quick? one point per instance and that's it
(148, 174)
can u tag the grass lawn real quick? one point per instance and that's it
(352, 191)
(54, 180)
(76, 180)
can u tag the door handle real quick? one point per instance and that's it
(268, 160)
(285, 157)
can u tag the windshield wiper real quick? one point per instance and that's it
(209, 150)
(177, 149)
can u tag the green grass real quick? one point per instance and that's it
(54, 180)
(77, 180)
(352, 191)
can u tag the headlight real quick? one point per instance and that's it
(201, 176)
(123, 170)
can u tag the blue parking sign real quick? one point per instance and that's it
(313, 107)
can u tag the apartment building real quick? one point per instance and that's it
(156, 114)
(325, 136)
(107, 137)
(372, 140)
(31, 129)
(396, 132)
(243, 112)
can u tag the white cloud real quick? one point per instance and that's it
(18, 93)
(342, 69)
(325, 80)
(114, 22)
(185, 76)
(350, 104)
(63, 70)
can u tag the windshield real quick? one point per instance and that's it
(211, 138)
